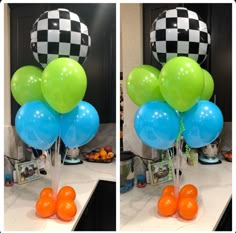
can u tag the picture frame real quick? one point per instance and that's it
(160, 172)
(27, 171)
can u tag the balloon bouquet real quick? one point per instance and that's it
(174, 102)
(51, 100)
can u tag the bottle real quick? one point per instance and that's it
(8, 177)
(14, 176)
(148, 176)
(141, 181)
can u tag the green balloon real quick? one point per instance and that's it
(181, 83)
(64, 84)
(208, 86)
(143, 84)
(26, 84)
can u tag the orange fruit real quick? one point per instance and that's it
(187, 208)
(168, 190)
(104, 157)
(66, 209)
(103, 152)
(110, 155)
(47, 192)
(45, 207)
(188, 190)
(167, 205)
(66, 193)
(96, 156)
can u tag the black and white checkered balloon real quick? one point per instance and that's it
(179, 32)
(59, 33)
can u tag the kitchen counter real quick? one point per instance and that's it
(214, 183)
(20, 199)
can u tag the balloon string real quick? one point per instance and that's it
(181, 128)
(55, 166)
(170, 164)
(178, 161)
(178, 155)
(162, 161)
(187, 151)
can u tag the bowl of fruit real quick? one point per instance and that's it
(228, 156)
(100, 155)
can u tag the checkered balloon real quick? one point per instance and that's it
(179, 32)
(59, 33)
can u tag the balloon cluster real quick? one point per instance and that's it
(51, 99)
(175, 100)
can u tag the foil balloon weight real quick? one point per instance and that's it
(179, 32)
(59, 33)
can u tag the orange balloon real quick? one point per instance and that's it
(45, 207)
(187, 208)
(47, 192)
(188, 190)
(167, 205)
(66, 209)
(66, 193)
(168, 190)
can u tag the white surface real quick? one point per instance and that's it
(20, 200)
(214, 183)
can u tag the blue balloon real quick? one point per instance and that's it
(203, 123)
(157, 124)
(80, 125)
(37, 124)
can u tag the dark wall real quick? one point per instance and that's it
(218, 18)
(100, 66)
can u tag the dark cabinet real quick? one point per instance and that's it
(218, 18)
(225, 223)
(100, 66)
(100, 213)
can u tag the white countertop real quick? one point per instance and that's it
(214, 183)
(20, 200)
